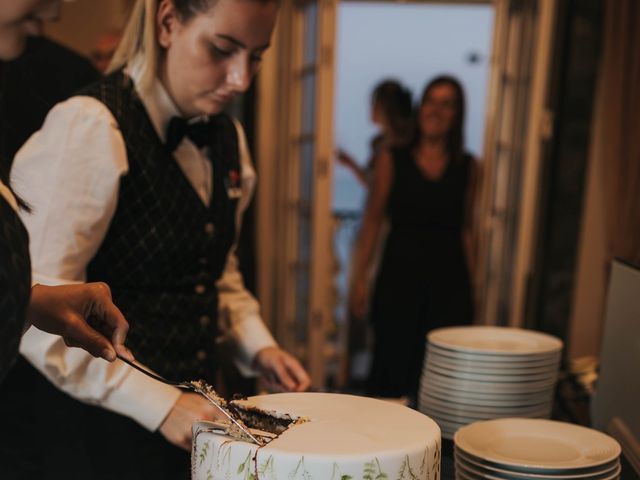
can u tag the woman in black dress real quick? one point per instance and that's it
(427, 192)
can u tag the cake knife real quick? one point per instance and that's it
(202, 391)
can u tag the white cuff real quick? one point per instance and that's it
(251, 335)
(143, 399)
(38, 278)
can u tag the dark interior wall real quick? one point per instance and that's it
(571, 98)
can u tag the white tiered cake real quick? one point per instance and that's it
(345, 437)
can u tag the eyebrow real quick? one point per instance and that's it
(237, 42)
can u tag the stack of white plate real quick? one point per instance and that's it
(533, 449)
(480, 373)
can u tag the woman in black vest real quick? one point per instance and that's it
(427, 191)
(58, 310)
(143, 186)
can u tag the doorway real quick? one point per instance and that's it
(410, 43)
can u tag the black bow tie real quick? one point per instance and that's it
(178, 128)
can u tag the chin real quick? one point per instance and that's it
(210, 107)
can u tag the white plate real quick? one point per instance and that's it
(478, 411)
(487, 398)
(462, 385)
(536, 445)
(472, 472)
(461, 403)
(481, 377)
(537, 359)
(495, 398)
(489, 368)
(467, 461)
(467, 417)
(494, 340)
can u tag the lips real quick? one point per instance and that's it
(224, 98)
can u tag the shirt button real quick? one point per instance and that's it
(209, 229)
(200, 289)
(203, 260)
(201, 355)
(205, 320)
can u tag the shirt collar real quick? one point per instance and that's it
(156, 100)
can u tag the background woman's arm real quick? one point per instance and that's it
(368, 236)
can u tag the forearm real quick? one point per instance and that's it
(365, 246)
(113, 386)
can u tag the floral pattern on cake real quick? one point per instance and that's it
(246, 470)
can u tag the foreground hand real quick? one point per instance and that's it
(189, 408)
(83, 315)
(281, 371)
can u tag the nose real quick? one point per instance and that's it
(240, 74)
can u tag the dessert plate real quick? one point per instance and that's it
(495, 341)
(537, 446)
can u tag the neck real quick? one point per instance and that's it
(432, 144)
(163, 78)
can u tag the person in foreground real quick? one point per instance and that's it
(82, 314)
(145, 191)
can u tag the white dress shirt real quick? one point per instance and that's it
(70, 172)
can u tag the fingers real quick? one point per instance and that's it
(283, 376)
(189, 408)
(80, 334)
(281, 371)
(119, 334)
(301, 378)
(112, 323)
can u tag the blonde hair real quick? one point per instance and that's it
(140, 40)
(140, 37)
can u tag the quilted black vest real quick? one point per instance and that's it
(15, 284)
(165, 249)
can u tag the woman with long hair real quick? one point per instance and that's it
(391, 112)
(426, 189)
(141, 181)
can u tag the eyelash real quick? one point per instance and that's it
(220, 52)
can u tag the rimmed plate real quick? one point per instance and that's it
(497, 399)
(515, 360)
(473, 473)
(607, 470)
(494, 340)
(462, 385)
(484, 405)
(468, 417)
(505, 368)
(475, 410)
(536, 445)
(481, 377)
(487, 398)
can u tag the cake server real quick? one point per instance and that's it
(206, 391)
